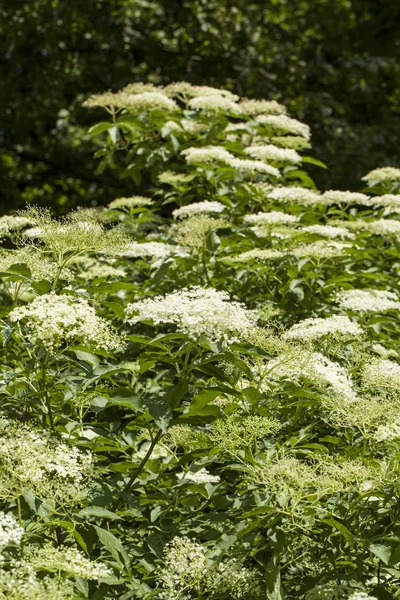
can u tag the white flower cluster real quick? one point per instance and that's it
(185, 566)
(39, 266)
(382, 373)
(215, 104)
(52, 320)
(175, 179)
(69, 560)
(183, 88)
(295, 195)
(262, 107)
(382, 175)
(201, 477)
(132, 202)
(338, 197)
(328, 231)
(257, 254)
(153, 250)
(274, 153)
(211, 154)
(253, 166)
(334, 591)
(10, 531)
(320, 250)
(240, 581)
(207, 154)
(367, 300)
(389, 227)
(197, 312)
(186, 571)
(313, 329)
(149, 101)
(286, 124)
(21, 583)
(314, 367)
(390, 202)
(38, 462)
(270, 218)
(14, 222)
(387, 432)
(198, 208)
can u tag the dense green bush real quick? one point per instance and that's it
(200, 387)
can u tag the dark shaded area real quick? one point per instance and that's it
(334, 63)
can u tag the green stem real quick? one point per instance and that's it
(46, 395)
(140, 468)
(203, 257)
(19, 511)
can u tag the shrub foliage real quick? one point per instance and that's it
(200, 387)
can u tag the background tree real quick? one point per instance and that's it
(333, 63)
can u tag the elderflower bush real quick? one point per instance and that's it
(200, 382)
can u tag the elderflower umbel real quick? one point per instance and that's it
(175, 179)
(390, 202)
(328, 231)
(132, 202)
(10, 531)
(149, 101)
(338, 197)
(313, 367)
(69, 560)
(185, 566)
(201, 477)
(313, 329)
(383, 227)
(34, 460)
(254, 166)
(383, 373)
(382, 175)
(197, 312)
(284, 123)
(183, 88)
(274, 153)
(270, 218)
(193, 232)
(367, 300)
(214, 104)
(320, 250)
(262, 107)
(14, 223)
(153, 250)
(52, 320)
(74, 233)
(39, 266)
(21, 583)
(239, 581)
(198, 208)
(295, 195)
(257, 255)
(207, 154)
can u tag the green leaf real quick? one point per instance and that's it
(99, 128)
(160, 410)
(273, 580)
(341, 528)
(382, 552)
(98, 511)
(114, 546)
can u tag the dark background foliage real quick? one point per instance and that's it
(334, 63)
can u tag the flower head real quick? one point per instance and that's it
(52, 321)
(368, 300)
(197, 312)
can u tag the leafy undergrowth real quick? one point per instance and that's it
(200, 385)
